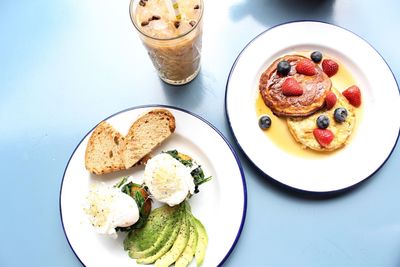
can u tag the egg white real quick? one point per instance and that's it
(168, 180)
(108, 208)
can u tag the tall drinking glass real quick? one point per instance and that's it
(171, 33)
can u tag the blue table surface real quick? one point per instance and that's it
(65, 65)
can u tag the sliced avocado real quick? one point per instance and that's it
(202, 241)
(141, 239)
(179, 245)
(162, 238)
(166, 247)
(187, 255)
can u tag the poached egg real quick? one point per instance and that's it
(108, 208)
(168, 180)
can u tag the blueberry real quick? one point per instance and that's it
(340, 114)
(316, 56)
(322, 122)
(283, 68)
(264, 122)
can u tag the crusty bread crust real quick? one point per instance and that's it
(108, 150)
(146, 133)
(104, 150)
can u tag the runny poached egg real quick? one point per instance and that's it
(168, 180)
(108, 208)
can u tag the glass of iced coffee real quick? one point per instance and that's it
(171, 31)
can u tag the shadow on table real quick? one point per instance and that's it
(272, 12)
(256, 173)
(190, 95)
(305, 194)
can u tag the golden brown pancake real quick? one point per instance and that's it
(315, 89)
(302, 128)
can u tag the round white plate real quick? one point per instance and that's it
(220, 205)
(378, 129)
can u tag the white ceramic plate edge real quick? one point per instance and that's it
(272, 54)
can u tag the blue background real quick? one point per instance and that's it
(67, 64)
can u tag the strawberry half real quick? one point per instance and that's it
(291, 87)
(306, 67)
(330, 67)
(353, 94)
(330, 100)
(323, 136)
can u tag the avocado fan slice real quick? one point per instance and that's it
(179, 245)
(161, 239)
(187, 255)
(144, 238)
(166, 247)
(202, 241)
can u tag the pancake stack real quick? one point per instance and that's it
(303, 109)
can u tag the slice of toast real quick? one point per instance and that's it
(104, 150)
(146, 133)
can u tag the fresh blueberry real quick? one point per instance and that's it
(264, 122)
(283, 68)
(322, 122)
(340, 114)
(316, 56)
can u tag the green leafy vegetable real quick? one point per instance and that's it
(142, 213)
(175, 154)
(198, 176)
(120, 183)
(127, 188)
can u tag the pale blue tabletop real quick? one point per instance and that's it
(65, 65)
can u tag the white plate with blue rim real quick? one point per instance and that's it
(221, 201)
(376, 133)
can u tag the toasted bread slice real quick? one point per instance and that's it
(146, 133)
(104, 150)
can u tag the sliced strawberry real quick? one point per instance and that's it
(330, 100)
(324, 136)
(291, 87)
(330, 67)
(353, 94)
(306, 67)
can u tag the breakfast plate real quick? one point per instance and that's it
(377, 127)
(220, 204)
